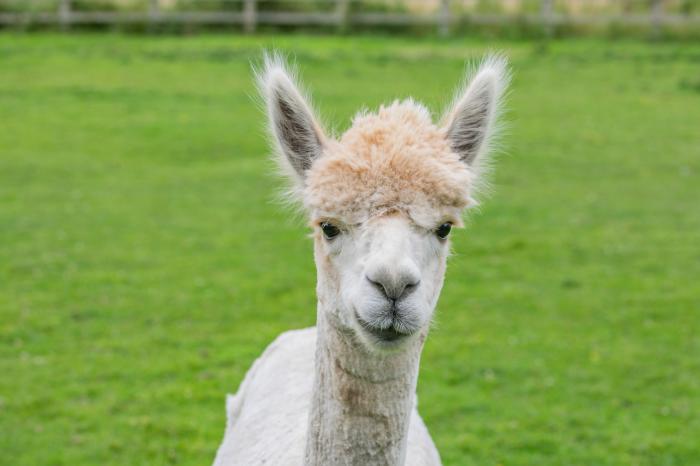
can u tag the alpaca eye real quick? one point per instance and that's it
(330, 231)
(443, 230)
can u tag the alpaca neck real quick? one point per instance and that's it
(361, 401)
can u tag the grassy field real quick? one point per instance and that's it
(144, 265)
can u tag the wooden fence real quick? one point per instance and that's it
(249, 15)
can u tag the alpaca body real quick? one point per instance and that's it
(267, 418)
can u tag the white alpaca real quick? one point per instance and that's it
(382, 199)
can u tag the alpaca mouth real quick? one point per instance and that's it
(389, 334)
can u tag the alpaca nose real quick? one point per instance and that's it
(397, 284)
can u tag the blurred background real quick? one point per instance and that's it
(504, 17)
(145, 264)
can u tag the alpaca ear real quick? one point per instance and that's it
(299, 137)
(471, 121)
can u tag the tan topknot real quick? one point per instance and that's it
(394, 159)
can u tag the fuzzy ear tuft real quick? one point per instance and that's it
(298, 136)
(471, 121)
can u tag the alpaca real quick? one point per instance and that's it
(382, 200)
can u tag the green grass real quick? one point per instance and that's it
(144, 264)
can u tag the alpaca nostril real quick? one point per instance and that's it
(410, 287)
(379, 286)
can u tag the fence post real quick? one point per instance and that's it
(64, 11)
(249, 16)
(444, 18)
(341, 13)
(657, 13)
(547, 11)
(153, 13)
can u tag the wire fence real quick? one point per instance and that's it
(443, 15)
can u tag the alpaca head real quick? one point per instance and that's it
(383, 197)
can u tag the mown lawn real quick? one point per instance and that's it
(144, 263)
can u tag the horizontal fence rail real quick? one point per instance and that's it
(335, 13)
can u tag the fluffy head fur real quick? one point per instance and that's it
(395, 159)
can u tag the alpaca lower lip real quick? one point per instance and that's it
(383, 334)
(389, 334)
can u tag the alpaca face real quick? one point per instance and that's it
(385, 275)
(383, 198)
